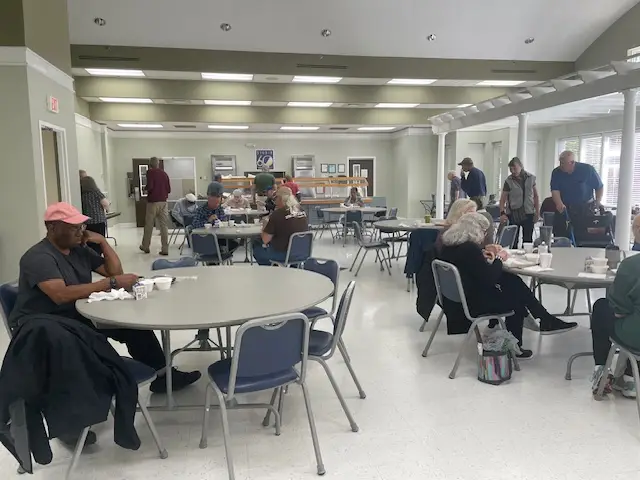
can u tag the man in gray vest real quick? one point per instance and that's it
(519, 201)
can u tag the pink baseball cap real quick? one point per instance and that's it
(63, 212)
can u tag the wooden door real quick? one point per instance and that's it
(140, 167)
(363, 167)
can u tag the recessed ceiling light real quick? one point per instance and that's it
(311, 79)
(225, 27)
(464, 105)
(499, 83)
(228, 127)
(114, 72)
(140, 125)
(376, 129)
(431, 37)
(125, 100)
(325, 33)
(101, 22)
(228, 102)
(300, 128)
(397, 105)
(310, 104)
(411, 81)
(529, 40)
(230, 77)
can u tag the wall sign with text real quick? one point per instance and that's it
(265, 159)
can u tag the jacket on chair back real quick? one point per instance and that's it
(66, 372)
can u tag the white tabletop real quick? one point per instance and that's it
(567, 263)
(408, 224)
(353, 209)
(247, 212)
(236, 231)
(210, 302)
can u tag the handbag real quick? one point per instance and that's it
(494, 368)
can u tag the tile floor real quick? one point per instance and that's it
(415, 423)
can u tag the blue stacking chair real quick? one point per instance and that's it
(325, 224)
(298, 251)
(265, 356)
(206, 249)
(509, 236)
(331, 270)
(141, 373)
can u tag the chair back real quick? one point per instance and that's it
(188, 220)
(162, 264)
(562, 242)
(352, 217)
(393, 213)
(340, 320)
(328, 268)
(300, 247)
(205, 245)
(449, 285)
(320, 213)
(508, 237)
(494, 211)
(547, 218)
(8, 297)
(270, 345)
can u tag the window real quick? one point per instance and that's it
(633, 55)
(610, 171)
(572, 144)
(591, 151)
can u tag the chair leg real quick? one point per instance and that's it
(636, 378)
(343, 351)
(205, 416)
(312, 426)
(361, 262)
(225, 434)
(471, 332)
(152, 428)
(573, 358)
(347, 361)
(388, 262)
(433, 333)
(267, 416)
(503, 325)
(605, 373)
(281, 401)
(573, 300)
(589, 304)
(77, 452)
(423, 326)
(343, 403)
(355, 258)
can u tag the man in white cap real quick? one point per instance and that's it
(185, 206)
(237, 200)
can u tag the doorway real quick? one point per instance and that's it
(364, 167)
(55, 172)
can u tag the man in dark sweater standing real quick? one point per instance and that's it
(158, 190)
(474, 183)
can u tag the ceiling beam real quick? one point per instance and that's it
(194, 60)
(135, 113)
(278, 92)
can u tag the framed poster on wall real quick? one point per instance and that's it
(324, 168)
(265, 158)
(341, 168)
(332, 168)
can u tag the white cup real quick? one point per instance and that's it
(528, 247)
(148, 284)
(232, 223)
(545, 260)
(543, 249)
(600, 262)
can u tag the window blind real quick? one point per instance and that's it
(611, 167)
(572, 144)
(591, 151)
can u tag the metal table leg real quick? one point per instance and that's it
(168, 359)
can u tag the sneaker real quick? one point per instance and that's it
(554, 325)
(179, 380)
(626, 386)
(145, 250)
(598, 371)
(71, 439)
(164, 254)
(524, 354)
(531, 324)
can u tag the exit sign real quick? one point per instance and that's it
(52, 105)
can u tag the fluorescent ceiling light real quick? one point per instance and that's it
(499, 83)
(125, 100)
(376, 129)
(306, 79)
(232, 77)
(309, 104)
(114, 72)
(229, 127)
(411, 81)
(228, 102)
(140, 125)
(397, 105)
(464, 105)
(300, 128)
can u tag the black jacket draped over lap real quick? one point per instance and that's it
(66, 372)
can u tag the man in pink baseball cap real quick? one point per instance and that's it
(57, 271)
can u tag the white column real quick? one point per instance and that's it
(440, 177)
(522, 138)
(625, 185)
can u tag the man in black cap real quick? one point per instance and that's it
(474, 183)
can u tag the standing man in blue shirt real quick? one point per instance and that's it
(572, 188)
(474, 184)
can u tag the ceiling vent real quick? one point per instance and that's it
(185, 126)
(322, 67)
(512, 71)
(339, 129)
(100, 58)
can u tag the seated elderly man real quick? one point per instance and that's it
(237, 200)
(212, 211)
(57, 271)
(286, 219)
(185, 206)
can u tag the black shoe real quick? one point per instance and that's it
(553, 325)
(164, 254)
(524, 354)
(71, 439)
(179, 381)
(142, 249)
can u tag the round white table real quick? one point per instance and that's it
(408, 225)
(242, 212)
(207, 302)
(237, 231)
(364, 210)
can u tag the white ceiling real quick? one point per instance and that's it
(471, 29)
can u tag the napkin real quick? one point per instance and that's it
(518, 263)
(537, 268)
(121, 294)
(599, 276)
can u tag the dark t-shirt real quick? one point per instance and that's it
(576, 188)
(158, 185)
(263, 182)
(44, 262)
(282, 225)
